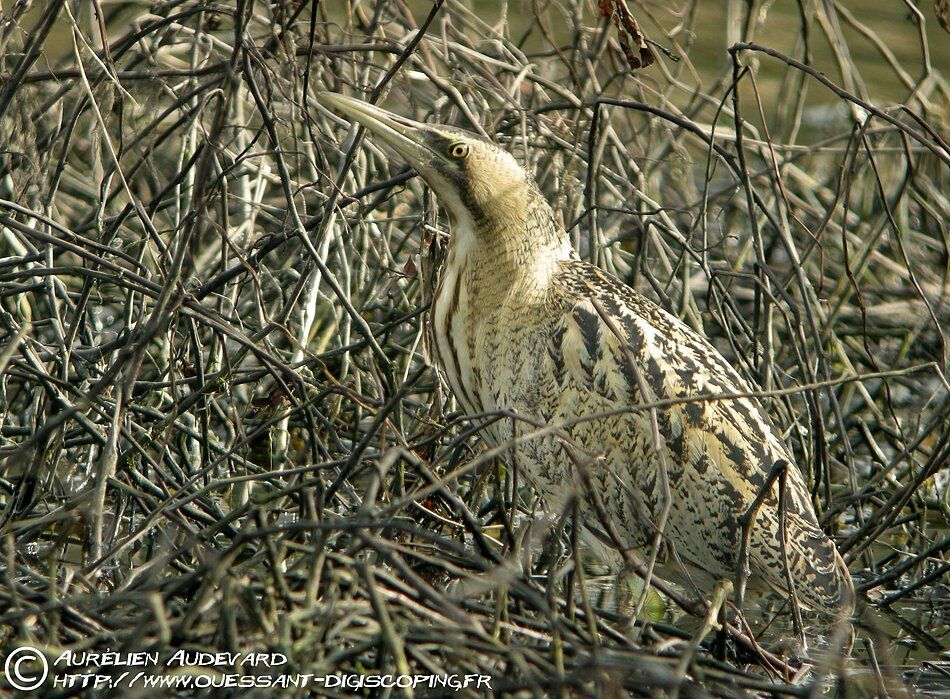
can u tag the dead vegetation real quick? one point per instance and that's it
(218, 425)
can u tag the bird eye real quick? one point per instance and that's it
(459, 150)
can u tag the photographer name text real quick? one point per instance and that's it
(181, 658)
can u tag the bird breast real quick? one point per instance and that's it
(487, 329)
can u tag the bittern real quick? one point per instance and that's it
(519, 323)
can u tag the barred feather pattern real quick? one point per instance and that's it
(537, 343)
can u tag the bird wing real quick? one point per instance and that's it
(614, 342)
(617, 345)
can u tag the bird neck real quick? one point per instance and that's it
(514, 246)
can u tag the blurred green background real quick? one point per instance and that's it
(871, 32)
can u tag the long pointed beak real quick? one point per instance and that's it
(405, 136)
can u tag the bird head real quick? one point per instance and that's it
(476, 180)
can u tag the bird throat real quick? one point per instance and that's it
(513, 247)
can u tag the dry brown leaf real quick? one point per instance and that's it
(629, 32)
(942, 9)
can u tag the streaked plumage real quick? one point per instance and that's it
(519, 323)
